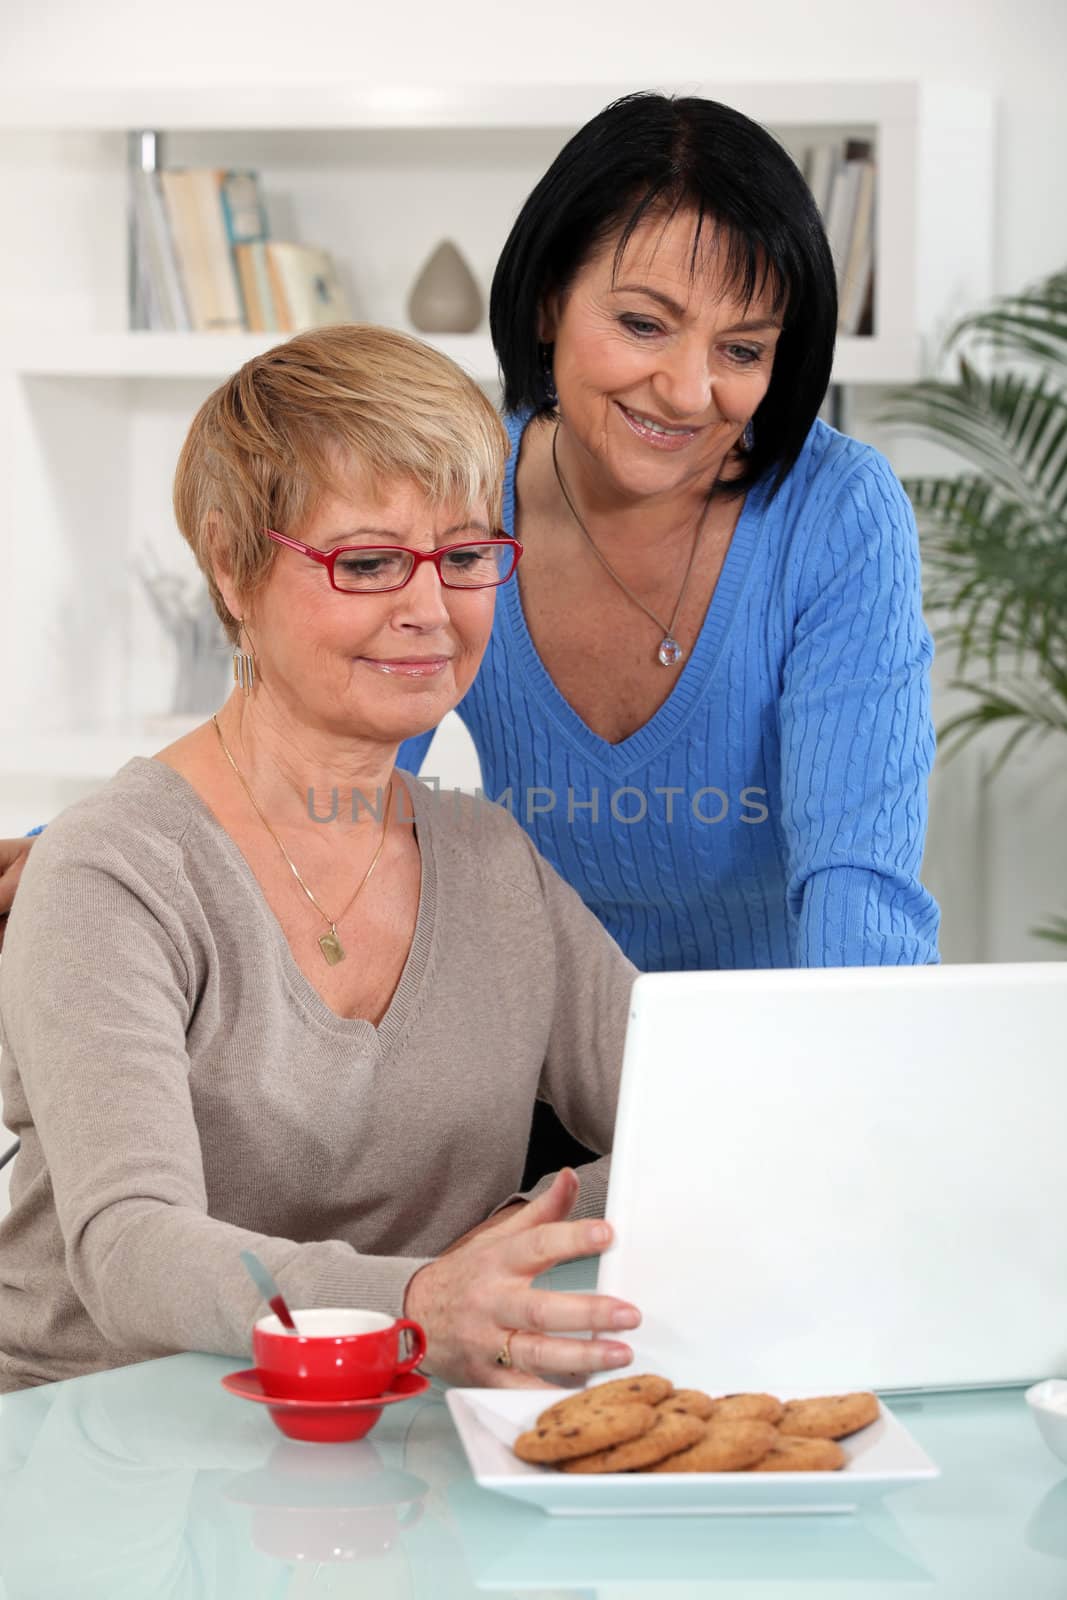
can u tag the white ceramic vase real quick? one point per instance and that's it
(445, 297)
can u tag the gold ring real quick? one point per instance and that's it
(503, 1355)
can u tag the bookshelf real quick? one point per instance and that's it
(94, 414)
(188, 355)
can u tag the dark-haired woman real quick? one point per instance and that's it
(707, 697)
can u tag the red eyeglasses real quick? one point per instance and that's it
(380, 568)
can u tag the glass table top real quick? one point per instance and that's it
(151, 1481)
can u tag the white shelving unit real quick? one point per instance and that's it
(94, 415)
(189, 355)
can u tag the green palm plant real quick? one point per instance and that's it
(995, 534)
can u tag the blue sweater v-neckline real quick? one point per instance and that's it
(697, 672)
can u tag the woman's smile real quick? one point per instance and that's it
(658, 434)
(407, 666)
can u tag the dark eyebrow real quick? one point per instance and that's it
(756, 325)
(653, 294)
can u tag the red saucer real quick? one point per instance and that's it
(323, 1421)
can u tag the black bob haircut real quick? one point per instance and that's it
(653, 153)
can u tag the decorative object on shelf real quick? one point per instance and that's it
(185, 609)
(445, 297)
(995, 536)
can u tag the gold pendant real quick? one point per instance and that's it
(331, 947)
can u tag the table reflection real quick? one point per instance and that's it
(152, 1481)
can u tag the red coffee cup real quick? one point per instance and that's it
(335, 1354)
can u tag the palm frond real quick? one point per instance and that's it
(996, 574)
(1011, 428)
(1023, 712)
(994, 538)
(1031, 324)
(1055, 929)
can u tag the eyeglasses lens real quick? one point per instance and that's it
(466, 566)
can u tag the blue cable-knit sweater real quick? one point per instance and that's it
(772, 812)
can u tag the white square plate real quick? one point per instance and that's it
(881, 1457)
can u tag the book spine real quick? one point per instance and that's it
(282, 309)
(258, 249)
(245, 220)
(225, 313)
(841, 214)
(246, 274)
(825, 159)
(859, 263)
(166, 279)
(189, 247)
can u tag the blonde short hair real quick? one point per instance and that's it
(291, 423)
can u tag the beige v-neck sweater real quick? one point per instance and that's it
(182, 1092)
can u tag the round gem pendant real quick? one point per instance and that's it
(670, 652)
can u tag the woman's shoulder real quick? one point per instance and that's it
(836, 467)
(105, 877)
(138, 817)
(515, 425)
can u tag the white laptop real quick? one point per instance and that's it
(844, 1178)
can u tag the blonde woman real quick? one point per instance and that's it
(263, 990)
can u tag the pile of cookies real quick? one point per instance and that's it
(644, 1424)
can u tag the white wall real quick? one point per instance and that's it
(1017, 51)
(997, 861)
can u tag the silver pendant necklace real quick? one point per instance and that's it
(670, 652)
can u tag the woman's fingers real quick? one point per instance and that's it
(549, 1311)
(551, 1206)
(542, 1245)
(555, 1357)
(512, 1378)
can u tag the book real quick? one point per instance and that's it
(162, 295)
(245, 218)
(208, 272)
(243, 211)
(190, 248)
(145, 309)
(226, 313)
(306, 290)
(819, 169)
(260, 315)
(844, 193)
(859, 263)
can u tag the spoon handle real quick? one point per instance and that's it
(267, 1287)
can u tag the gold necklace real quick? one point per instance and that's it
(329, 943)
(670, 652)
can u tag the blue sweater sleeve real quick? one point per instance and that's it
(857, 738)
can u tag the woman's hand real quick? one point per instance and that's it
(13, 853)
(470, 1299)
(483, 1227)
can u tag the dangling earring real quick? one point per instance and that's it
(748, 437)
(551, 397)
(244, 662)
